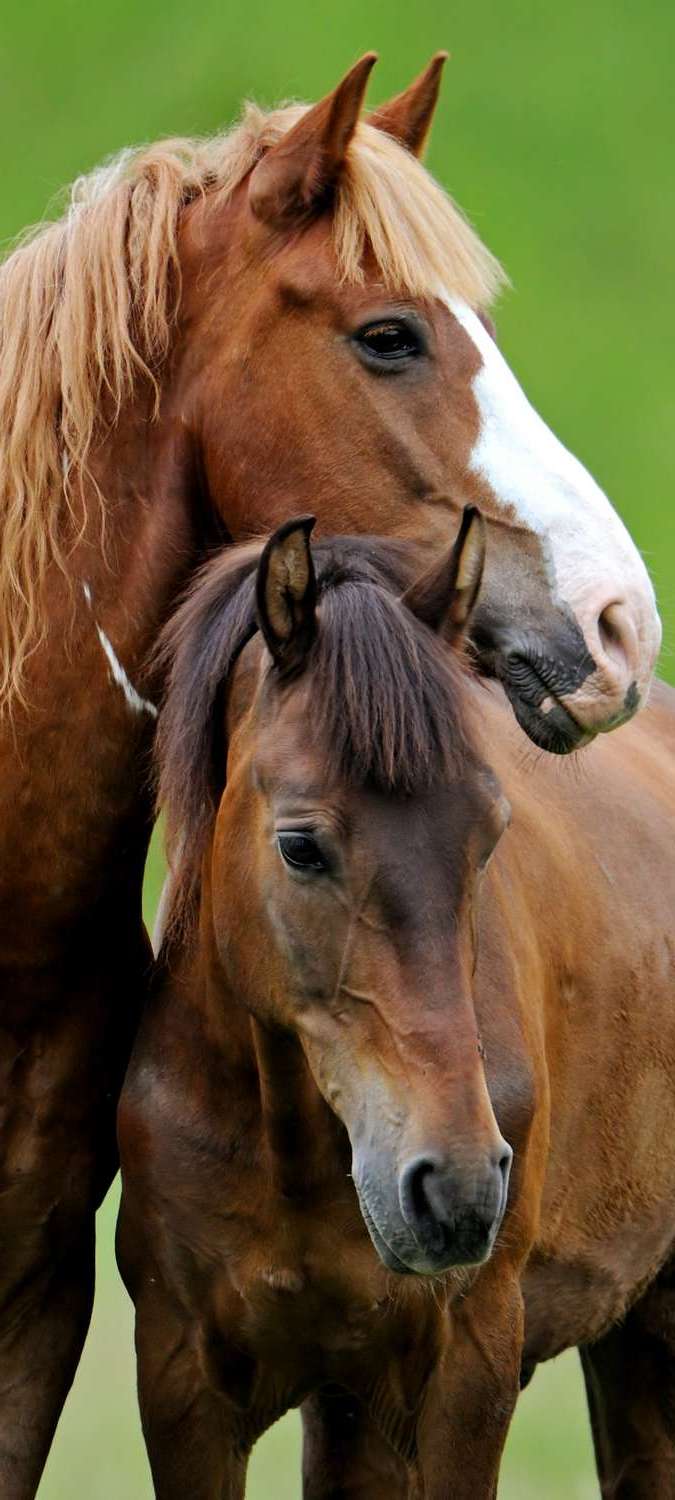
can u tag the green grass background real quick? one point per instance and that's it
(555, 134)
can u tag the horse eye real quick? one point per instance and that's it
(393, 341)
(300, 851)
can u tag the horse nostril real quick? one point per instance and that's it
(454, 1210)
(619, 638)
(425, 1196)
(504, 1160)
(413, 1188)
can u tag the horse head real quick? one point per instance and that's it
(343, 303)
(297, 307)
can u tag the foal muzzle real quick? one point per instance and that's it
(434, 1215)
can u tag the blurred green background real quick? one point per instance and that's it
(555, 135)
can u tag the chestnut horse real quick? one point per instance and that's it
(368, 1003)
(294, 307)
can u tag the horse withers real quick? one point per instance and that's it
(294, 307)
(370, 998)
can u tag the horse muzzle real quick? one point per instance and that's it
(586, 675)
(436, 1215)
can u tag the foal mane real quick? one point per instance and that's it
(388, 695)
(88, 306)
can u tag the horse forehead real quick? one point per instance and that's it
(285, 754)
(303, 276)
(227, 254)
(431, 825)
(253, 258)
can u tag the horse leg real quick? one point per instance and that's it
(630, 1384)
(344, 1456)
(64, 1043)
(44, 1315)
(472, 1393)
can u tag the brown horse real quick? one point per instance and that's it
(295, 307)
(367, 993)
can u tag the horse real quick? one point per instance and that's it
(292, 307)
(399, 1121)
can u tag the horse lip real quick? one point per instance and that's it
(557, 731)
(393, 1261)
(385, 1252)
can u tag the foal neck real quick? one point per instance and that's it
(303, 1141)
(301, 1133)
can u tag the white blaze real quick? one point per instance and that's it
(586, 546)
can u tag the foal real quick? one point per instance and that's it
(315, 1165)
(303, 1089)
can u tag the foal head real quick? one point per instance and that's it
(343, 855)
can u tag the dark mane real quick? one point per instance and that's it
(388, 701)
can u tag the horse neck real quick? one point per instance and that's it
(301, 1134)
(139, 529)
(81, 742)
(155, 528)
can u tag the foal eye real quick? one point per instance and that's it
(301, 852)
(394, 341)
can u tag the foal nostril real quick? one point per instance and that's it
(415, 1200)
(504, 1160)
(503, 1164)
(428, 1202)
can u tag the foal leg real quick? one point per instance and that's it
(630, 1384)
(344, 1456)
(188, 1427)
(472, 1394)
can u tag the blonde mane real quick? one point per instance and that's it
(88, 305)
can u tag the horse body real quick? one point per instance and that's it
(207, 328)
(242, 1238)
(576, 929)
(74, 959)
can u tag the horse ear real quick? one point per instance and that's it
(286, 594)
(408, 116)
(296, 174)
(444, 597)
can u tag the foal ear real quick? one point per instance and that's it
(286, 593)
(296, 174)
(408, 116)
(444, 597)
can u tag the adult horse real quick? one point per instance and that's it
(293, 307)
(369, 999)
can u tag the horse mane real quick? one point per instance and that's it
(88, 304)
(388, 706)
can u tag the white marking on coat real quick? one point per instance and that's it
(140, 705)
(119, 676)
